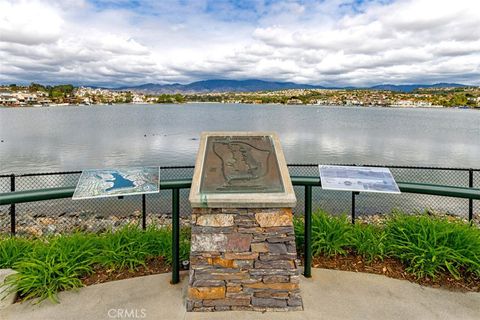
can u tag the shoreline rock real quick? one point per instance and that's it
(379, 218)
(30, 224)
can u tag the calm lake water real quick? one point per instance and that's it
(75, 138)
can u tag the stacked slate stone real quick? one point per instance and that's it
(243, 259)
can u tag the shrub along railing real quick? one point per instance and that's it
(307, 182)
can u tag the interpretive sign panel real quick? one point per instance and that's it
(360, 179)
(245, 169)
(239, 164)
(101, 183)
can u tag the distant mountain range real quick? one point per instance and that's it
(219, 86)
(207, 86)
(413, 87)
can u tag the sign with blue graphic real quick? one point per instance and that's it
(101, 183)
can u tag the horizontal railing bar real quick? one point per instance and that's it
(380, 166)
(175, 184)
(58, 173)
(439, 190)
(306, 181)
(36, 195)
(66, 192)
(190, 166)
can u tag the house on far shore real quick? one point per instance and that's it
(44, 101)
(294, 100)
(137, 99)
(29, 98)
(8, 100)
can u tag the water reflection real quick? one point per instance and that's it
(74, 138)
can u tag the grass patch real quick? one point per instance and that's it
(54, 265)
(370, 241)
(430, 246)
(12, 250)
(330, 236)
(48, 265)
(125, 248)
(427, 246)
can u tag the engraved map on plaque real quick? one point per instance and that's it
(240, 164)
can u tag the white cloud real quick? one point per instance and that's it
(29, 22)
(331, 42)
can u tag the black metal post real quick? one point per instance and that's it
(144, 212)
(470, 201)
(12, 207)
(353, 206)
(175, 236)
(307, 262)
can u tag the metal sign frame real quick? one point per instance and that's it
(354, 179)
(118, 193)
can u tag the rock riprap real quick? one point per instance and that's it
(243, 259)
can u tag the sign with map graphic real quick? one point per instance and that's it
(101, 183)
(357, 179)
(246, 164)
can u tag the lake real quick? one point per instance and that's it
(80, 137)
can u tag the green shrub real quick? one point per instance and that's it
(184, 245)
(131, 246)
(158, 240)
(48, 265)
(299, 227)
(369, 241)
(159, 243)
(426, 245)
(123, 248)
(429, 245)
(44, 278)
(13, 249)
(52, 266)
(330, 235)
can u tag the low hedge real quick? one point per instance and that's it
(48, 265)
(426, 245)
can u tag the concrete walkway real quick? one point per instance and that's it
(327, 295)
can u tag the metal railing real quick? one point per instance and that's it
(65, 210)
(455, 190)
(437, 190)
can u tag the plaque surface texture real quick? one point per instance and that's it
(241, 169)
(240, 164)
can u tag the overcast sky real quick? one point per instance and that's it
(330, 42)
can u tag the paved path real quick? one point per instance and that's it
(327, 295)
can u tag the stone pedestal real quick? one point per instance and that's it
(243, 259)
(243, 254)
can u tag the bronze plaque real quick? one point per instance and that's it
(240, 164)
